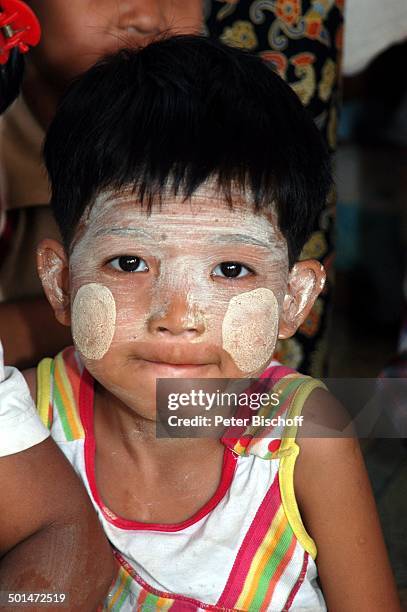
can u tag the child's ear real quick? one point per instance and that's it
(305, 282)
(53, 269)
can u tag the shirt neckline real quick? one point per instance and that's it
(86, 411)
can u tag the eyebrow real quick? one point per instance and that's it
(239, 238)
(217, 239)
(124, 231)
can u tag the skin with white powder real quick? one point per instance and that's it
(250, 328)
(156, 288)
(93, 320)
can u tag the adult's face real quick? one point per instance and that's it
(75, 33)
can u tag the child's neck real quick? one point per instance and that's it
(135, 433)
(170, 479)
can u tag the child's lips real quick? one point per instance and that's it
(172, 369)
(177, 356)
(176, 364)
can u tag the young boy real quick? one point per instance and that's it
(185, 179)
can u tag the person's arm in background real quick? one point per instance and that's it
(50, 536)
(39, 333)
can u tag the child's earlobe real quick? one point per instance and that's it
(305, 282)
(53, 270)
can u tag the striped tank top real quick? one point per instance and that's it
(245, 550)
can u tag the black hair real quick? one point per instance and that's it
(185, 109)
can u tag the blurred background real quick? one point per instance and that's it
(369, 326)
(371, 222)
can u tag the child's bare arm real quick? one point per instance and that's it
(50, 537)
(339, 512)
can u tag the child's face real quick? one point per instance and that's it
(195, 290)
(77, 32)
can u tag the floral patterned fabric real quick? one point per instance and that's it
(303, 40)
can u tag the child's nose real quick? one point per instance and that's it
(177, 319)
(141, 18)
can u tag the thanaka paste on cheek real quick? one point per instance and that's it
(250, 327)
(93, 320)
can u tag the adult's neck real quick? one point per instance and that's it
(40, 95)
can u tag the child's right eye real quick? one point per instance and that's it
(128, 263)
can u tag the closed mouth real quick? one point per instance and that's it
(176, 364)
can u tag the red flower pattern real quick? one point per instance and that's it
(288, 11)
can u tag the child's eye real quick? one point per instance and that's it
(128, 263)
(231, 269)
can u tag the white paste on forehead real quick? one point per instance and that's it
(191, 223)
(93, 320)
(195, 223)
(250, 327)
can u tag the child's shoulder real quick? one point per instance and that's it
(324, 415)
(327, 443)
(66, 359)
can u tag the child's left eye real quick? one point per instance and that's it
(129, 263)
(231, 269)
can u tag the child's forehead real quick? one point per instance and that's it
(207, 211)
